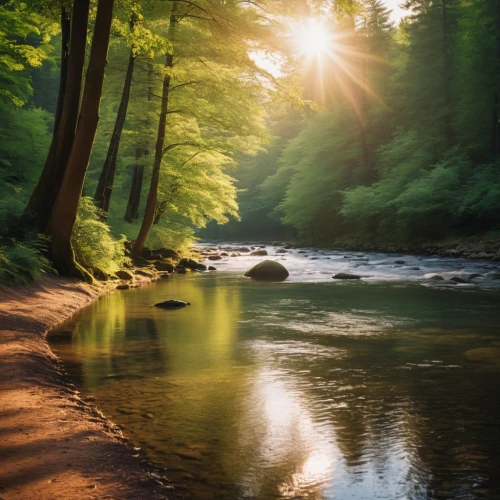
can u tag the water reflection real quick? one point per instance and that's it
(300, 391)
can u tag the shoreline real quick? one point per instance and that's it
(53, 444)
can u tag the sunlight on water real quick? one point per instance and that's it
(310, 390)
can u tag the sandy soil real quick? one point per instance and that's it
(53, 445)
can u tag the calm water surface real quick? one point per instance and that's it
(315, 390)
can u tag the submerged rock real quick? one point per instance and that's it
(346, 276)
(268, 270)
(214, 257)
(180, 269)
(436, 277)
(487, 355)
(259, 252)
(172, 304)
(475, 275)
(212, 268)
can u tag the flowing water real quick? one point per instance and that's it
(382, 388)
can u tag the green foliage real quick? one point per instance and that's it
(24, 43)
(95, 249)
(24, 141)
(21, 263)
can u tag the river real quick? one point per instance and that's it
(381, 388)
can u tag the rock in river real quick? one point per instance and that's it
(346, 276)
(259, 253)
(172, 304)
(268, 270)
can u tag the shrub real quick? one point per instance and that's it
(95, 249)
(21, 263)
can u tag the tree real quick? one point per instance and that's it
(65, 208)
(105, 186)
(149, 214)
(47, 189)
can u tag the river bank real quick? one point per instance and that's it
(53, 444)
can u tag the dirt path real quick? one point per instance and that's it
(52, 444)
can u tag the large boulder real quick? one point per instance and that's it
(268, 270)
(259, 253)
(172, 304)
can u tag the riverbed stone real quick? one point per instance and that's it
(485, 355)
(259, 253)
(189, 264)
(268, 270)
(457, 279)
(346, 276)
(145, 272)
(124, 275)
(165, 266)
(212, 268)
(436, 277)
(214, 257)
(172, 304)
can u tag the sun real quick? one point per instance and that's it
(314, 38)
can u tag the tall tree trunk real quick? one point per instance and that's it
(134, 199)
(43, 197)
(105, 186)
(65, 41)
(449, 132)
(495, 125)
(62, 219)
(149, 213)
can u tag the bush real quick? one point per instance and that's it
(95, 249)
(21, 263)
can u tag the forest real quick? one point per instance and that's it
(132, 124)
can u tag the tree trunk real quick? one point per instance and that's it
(134, 199)
(449, 132)
(495, 125)
(105, 186)
(65, 41)
(43, 197)
(149, 213)
(64, 213)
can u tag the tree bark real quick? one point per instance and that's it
(45, 193)
(149, 213)
(449, 132)
(495, 125)
(64, 212)
(134, 199)
(104, 189)
(65, 41)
